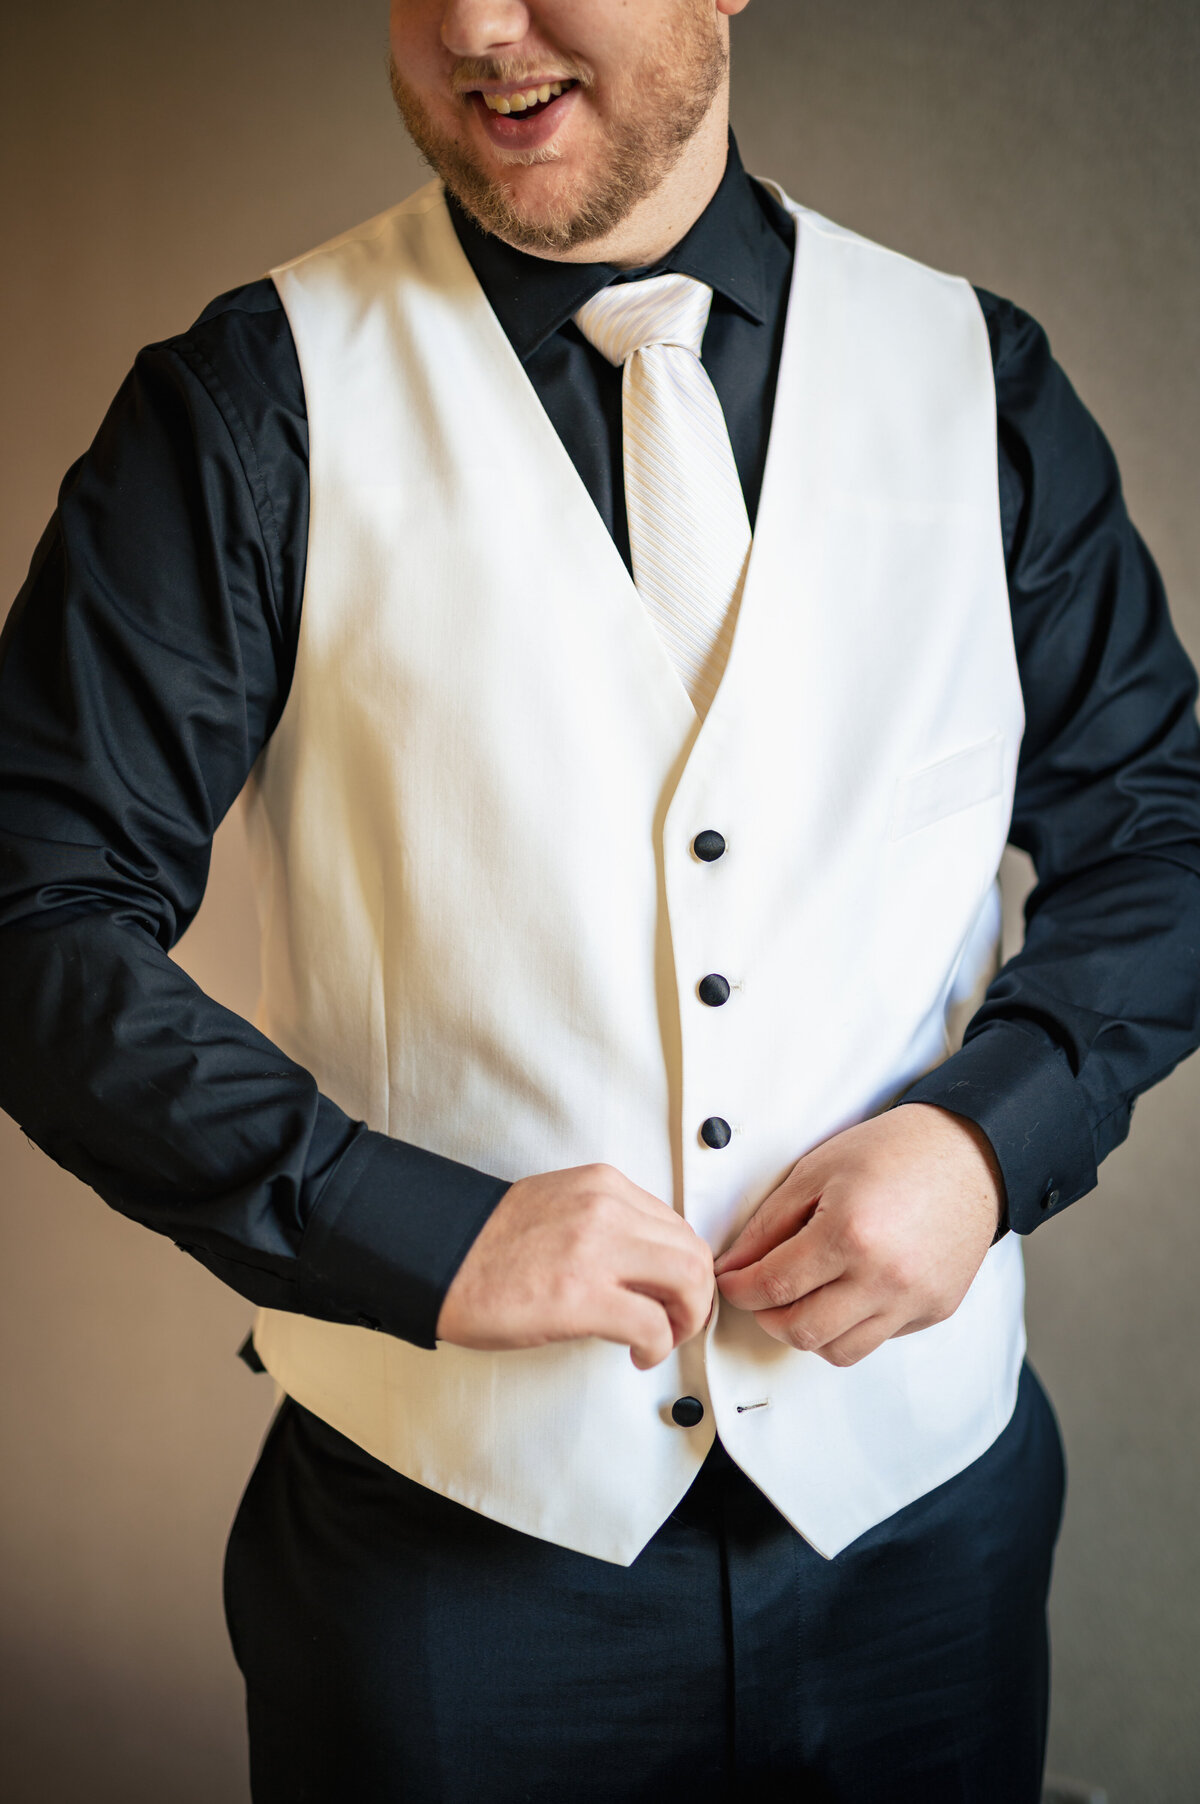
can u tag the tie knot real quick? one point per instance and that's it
(660, 310)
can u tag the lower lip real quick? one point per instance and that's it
(518, 131)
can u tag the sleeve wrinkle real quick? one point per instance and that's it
(223, 402)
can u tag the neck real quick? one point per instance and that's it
(658, 222)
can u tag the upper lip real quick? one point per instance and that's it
(515, 87)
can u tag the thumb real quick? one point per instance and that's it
(780, 1214)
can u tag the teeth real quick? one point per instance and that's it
(519, 103)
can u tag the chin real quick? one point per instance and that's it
(539, 206)
(541, 197)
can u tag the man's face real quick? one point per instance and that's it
(551, 119)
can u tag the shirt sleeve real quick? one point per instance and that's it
(1103, 1000)
(142, 667)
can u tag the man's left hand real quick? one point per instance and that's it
(877, 1232)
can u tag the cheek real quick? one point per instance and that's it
(611, 38)
(416, 43)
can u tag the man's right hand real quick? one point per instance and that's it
(570, 1254)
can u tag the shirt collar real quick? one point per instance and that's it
(533, 296)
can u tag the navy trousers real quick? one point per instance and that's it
(398, 1647)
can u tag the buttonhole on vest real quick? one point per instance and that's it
(763, 1403)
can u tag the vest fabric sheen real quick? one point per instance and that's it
(484, 923)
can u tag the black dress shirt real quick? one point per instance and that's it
(149, 656)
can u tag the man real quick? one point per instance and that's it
(602, 921)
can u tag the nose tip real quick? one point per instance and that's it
(481, 27)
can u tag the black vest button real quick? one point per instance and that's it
(708, 845)
(713, 989)
(715, 1132)
(687, 1411)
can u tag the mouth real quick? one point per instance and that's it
(522, 115)
(533, 99)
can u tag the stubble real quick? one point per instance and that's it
(659, 109)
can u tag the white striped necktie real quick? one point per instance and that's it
(689, 533)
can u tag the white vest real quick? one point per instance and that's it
(483, 920)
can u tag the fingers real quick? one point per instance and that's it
(628, 1242)
(878, 1232)
(789, 1271)
(783, 1213)
(849, 1348)
(838, 1323)
(771, 1223)
(663, 1257)
(567, 1255)
(679, 1277)
(687, 1310)
(639, 1323)
(829, 1317)
(816, 1321)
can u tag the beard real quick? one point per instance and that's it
(660, 108)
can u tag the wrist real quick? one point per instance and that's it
(960, 1131)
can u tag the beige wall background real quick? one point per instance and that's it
(155, 153)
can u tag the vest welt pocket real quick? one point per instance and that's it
(974, 775)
